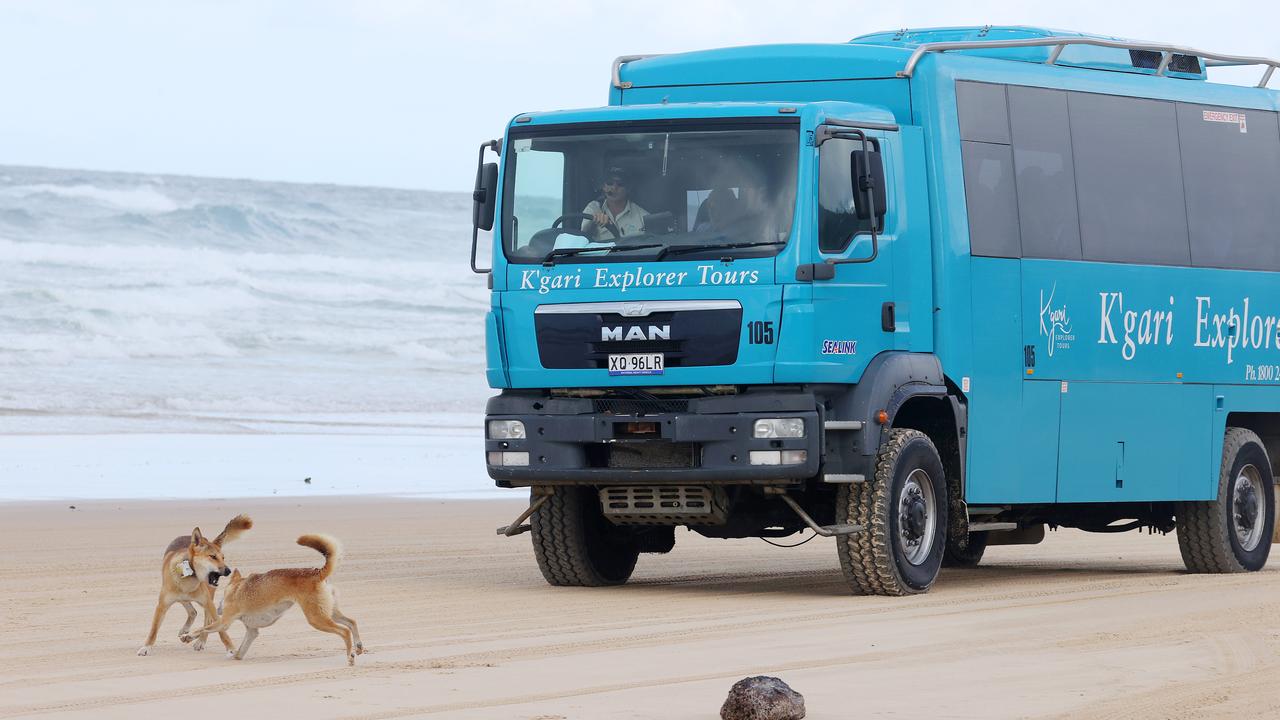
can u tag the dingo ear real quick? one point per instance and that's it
(196, 537)
(235, 575)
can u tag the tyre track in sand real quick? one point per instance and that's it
(459, 623)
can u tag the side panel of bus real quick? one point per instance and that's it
(1139, 243)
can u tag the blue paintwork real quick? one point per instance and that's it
(1095, 420)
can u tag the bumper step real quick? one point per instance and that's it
(989, 526)
(843, 478)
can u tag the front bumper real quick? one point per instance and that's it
(581, 441)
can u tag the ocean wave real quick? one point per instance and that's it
(137, 293)
(142, 199)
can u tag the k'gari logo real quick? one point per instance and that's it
(1055, 323)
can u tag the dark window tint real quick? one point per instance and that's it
(838, 221)
(1046, 178)
(992, 200)
(1129, 180)
(1231, 161)
(983, 115)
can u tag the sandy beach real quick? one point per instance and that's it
(459, 624)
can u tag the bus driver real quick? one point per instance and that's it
(614, 210)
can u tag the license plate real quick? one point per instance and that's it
(637, 364)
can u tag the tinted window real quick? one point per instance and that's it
(838, 221)
(1129, 180)
(983, 117)
(638, 185)
(1046, 180)
(992, 200)
(1231, 165)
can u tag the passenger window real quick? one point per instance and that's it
(838, 222)
(1129, 180)
(984, 115)
(1045, 170)
(992, 200)
(1231, 161)
(539, 192)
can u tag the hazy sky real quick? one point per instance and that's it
(400, 93)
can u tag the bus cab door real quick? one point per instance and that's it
(853, 313)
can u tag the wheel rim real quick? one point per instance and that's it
(916, 512)
(1248, 507)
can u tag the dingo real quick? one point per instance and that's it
(189, 574)
(260, 599)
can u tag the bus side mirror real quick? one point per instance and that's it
(867, 173)
(484, 197)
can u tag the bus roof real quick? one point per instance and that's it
(895, 54)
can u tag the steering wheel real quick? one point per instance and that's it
(583, 216)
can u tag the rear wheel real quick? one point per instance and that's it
(970, 556)
(576, 546)
(1233, 532)
(903, 509)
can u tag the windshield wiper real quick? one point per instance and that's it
(677, 249)
(570, 252)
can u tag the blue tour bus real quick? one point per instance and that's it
(922, 292)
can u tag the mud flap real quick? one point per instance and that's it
(1275, 533)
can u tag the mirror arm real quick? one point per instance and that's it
(475, 229)
(855, 134)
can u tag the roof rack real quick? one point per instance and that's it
(623, 60)
(1058, 43)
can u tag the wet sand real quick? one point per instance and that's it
(459, 624)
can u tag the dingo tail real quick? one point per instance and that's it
(327, 546)
(234, 529)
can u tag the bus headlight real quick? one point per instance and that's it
(506, 430)
(779, 428)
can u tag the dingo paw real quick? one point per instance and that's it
(198, 645)
(351, 660)
(144, 651)
(186, 637)
(359, 648)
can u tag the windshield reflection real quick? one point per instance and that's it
(728, 190)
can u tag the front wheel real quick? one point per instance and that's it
(1232, 533)
(903, 510)
(576, 546)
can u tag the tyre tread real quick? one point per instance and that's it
(1202, 526)
(560, 540)
(866, 558)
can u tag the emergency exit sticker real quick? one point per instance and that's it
(1235, 118)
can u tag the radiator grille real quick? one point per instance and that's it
(639, 405)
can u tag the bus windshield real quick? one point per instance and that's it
(630, 193)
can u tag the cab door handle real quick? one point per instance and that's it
(888, 322)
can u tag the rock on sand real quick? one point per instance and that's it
(762, 698)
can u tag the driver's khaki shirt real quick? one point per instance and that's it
(629, 222)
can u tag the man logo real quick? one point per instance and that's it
(635, 332)
(633, 310)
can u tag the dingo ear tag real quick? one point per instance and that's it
(183, 569)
